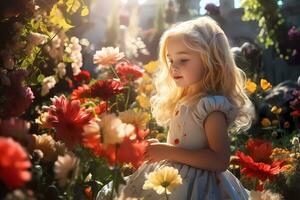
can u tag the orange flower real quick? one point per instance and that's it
(276, 110)
(265, 85)
(286, 125)
(265, 122)
(251, 86)
(260, 150)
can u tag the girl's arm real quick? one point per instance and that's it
(216, 157)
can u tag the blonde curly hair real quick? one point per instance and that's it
(221, 75)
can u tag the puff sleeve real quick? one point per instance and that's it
(209, 104)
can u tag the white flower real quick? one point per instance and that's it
(84, 42)
(47, 84)
(264, 195)
(63, 167)
(61, 69)
(134, 46)
(295, 141)
(107, 56)
(74, 51)
(114, 130)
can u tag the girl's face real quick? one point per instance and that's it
(184, 63)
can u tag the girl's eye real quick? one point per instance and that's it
(184, 60)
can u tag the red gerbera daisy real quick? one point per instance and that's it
(14, 163)
(260, 150)
(81, 93)
(68, 119)
(259, 170)
(101, 108)
(105, 89)
(129, 72)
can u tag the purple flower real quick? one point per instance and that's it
(16, 97)
(294, 33)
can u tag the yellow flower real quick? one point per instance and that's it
(276, 110)
(138, 119)
(151, 66)
(107, 56)
(288, 168)
(265, 85)
(161, 137)
(42, 120)
(279, 153)
(265, 122)
(164, 179)
(147, 78)
(143, 101)
(251, 86)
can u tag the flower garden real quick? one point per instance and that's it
(67, 131)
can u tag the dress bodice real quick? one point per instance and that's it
(186, 126)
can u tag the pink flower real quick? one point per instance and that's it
(14, 163)
(68, 119)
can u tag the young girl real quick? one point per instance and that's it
(199, 95)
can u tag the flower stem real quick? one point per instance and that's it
(127, 98)
(166, 194)
(114, 72)
(114, 175)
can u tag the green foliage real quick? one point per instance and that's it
(287, 184)
(270, 21)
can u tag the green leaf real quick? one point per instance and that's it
(56, 17)
(85, 11)
(40, 78)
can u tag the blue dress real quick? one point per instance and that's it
(186, 131)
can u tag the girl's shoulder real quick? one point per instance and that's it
(211, 103)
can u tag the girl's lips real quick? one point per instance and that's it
(177, 77)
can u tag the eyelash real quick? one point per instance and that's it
(181, 61)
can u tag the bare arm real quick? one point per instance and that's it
(216, 157)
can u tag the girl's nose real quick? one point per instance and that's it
(174, 66)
